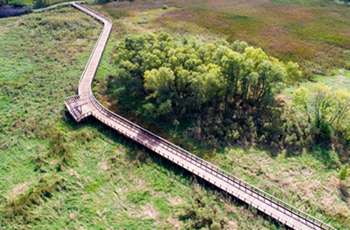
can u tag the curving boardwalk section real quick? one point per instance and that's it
(84, 104)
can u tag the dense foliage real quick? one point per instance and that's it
(182, 78)
(324, 114)
(228, 92)
(214, 84)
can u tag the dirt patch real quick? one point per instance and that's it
(103, 166)
(174, 222)
(149, 212)
(174, 201)
(20, 188)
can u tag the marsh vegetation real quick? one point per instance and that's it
(55, 173)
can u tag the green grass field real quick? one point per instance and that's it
(107, 181)
(55, 173)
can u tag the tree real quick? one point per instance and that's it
(294, 74)
(323, 104)
(176, 124)
(327, 110)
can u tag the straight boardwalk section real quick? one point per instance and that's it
(84, 104)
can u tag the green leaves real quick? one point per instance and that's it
(327, 110)
(181, 78)
(159, 82)
(323, 104)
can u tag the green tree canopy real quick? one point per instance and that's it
(182, 77)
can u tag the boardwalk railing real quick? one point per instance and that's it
(109, 118)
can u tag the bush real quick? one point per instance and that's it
(203, 213)
(326, 111)
(164, 7)
(60, 148)
(142, 22)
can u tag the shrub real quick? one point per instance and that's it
(203, 213)
(60, 148)
(13, 11)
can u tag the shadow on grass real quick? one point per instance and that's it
(325, 155)
(180, 175)
(344, 193)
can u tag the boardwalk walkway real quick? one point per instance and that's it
(84, 104)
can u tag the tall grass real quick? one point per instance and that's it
(105, 180)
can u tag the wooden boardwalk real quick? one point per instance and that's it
(84, 104)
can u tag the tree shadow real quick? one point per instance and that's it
(344, 192)
(324, 154)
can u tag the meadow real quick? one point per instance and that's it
(56, 173)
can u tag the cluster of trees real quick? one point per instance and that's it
(326, 112)
(182, 78)
(227, 90)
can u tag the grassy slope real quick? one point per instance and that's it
(108, 181)
(308, 181)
